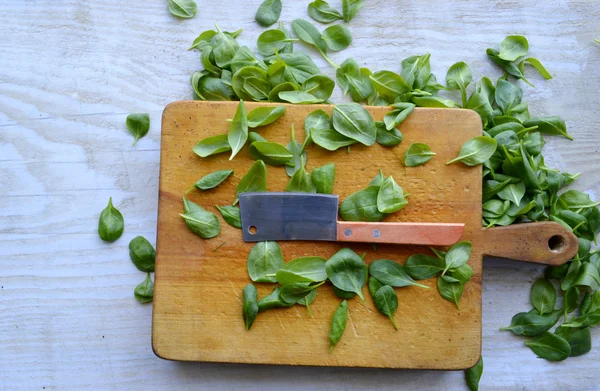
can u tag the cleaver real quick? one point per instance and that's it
(309, 216)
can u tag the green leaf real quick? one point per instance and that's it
(264, 260)
(459, 76)
(272, 300)
(534, 62)
(203, 40)
(213, 179)
(337, 37)
(422, 267)
(350, 8)
(353, 80)
(575, 199)
(374, 285)
(458, 255)
(317, 119)
(479, 103)
(391, 273)
(473, 375)
(301, 182)
(238, 132)
(249, 305)
(224, 48)
(550, 346)
(271, 153)
(450, 289)
(588, 277)
(462, 273)
(386, 302)
(387, 138)
(580, 340)
(299, 159)
(323, 178)
(338, 324)
(509, 66)
(212, 146)
(293, 67)
(212, 88)
(262, 116)
(330, 139)
(308, 300)
(304, 269)
(254, 181)
(395, 117)
(543, 296)
(362, 206)
(390, 198)
(389, 85)
(287, 86)
(353, 121)
(268, 12)
(138, 125)
(319, 86)
(245, 58)
(513, 192)
(551, 124)
(320, 11)
(142, 254)
(200, 221)
(434, 101)
(476, 151)
(347, 271)
(111, 223)
(272, 41)
(296, 291)
(343, 294)
(417, 154)
(513, 47)
(531, 324)
(184, 9)
(299, 97)
(250, 77)
(231, 215)
(144, 292)
(308, 33)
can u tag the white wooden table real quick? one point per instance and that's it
(70, 72)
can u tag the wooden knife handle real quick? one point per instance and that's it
(431, 234)
(544, 242)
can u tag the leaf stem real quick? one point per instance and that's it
(333, 64)
(189, 189)
(463, 96)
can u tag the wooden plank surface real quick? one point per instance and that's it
(70, 72)
(197, 305)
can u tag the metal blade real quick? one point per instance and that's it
(288, 216)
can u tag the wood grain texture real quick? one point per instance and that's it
(71, 71)
(432, 234)
(188, 267)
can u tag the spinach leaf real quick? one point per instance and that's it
(434, 101)
(509, 66)
(320, 11)
(580, 340)
(329, 139)
(213, 179)
(397, 116)
(319, 86)
(513, 192)
(422, 267)
(479, 103)
(417, 154)
(184, 9)
(264, 260)
(224, 48)
(459, 76)
(343, 294)
(389, 85)
(231, 215)
(308, 300)
(323, 178)
(200, 221)
(295, 291)
(301, 181)
(268, 12)
(142, 254)
(531, 324)
(543, 296)
(272, 300)
(534, 62)
(271, 153)
(588, 277)
(391, 273)
(377, 179)
(347, 271)
(374, 285)
(551, 124)
(203, 40)
(138, 125)
(144, 292)
(572, 274)
(249, 305)
(450, 289)
(212, 146)
(338, 324)
(353, 121)
(317, 119)
(390, 197)
(262, 116)
(111, 223)
(304, 269)
(575, 199)
(513, 47)
(350, 8)
(550, 346)
(387, 138)
(299, 159)
(462, 273)
(308, 33)
(212, 88)
(458, 255)
(507, 96)
(386, 302)
(337, 37)
(245, 58)
(238, 132)
(251, 83)
(476, 151)
(293, 67)
(354, 81)
(272, 41)
(362, 206)
(254, 181)
(473, 375)
(299, 97)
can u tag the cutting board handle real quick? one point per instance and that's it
(544, 242)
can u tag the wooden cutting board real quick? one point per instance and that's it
(198, 282)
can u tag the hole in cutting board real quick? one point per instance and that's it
(252, 229)
(556, 243)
